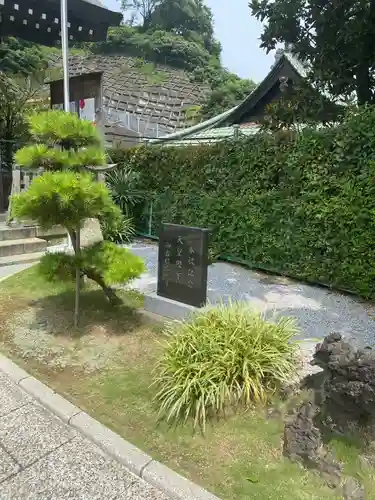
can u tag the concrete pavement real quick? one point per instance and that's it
(41, 457)
(7, 271)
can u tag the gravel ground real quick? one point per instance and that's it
(319, 311)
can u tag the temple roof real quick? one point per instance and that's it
(287, 65)
(39, 20)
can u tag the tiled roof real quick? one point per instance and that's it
(195, 129)
(211, 128)
(149, 103)
(213, 135)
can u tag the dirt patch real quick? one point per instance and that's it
(36, 338)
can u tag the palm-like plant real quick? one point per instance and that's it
(123, 185)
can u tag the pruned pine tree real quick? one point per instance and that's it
(67, 194)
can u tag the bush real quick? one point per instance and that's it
(223, 357)
(114, 264)
(123, 184)
(298, 205)
(120, 230)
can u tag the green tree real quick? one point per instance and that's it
(20, 57)
(140, 8)
(227, 94)
(191, 19)
(335, 40)
(300, 104)
(67, 194)
(17, 96)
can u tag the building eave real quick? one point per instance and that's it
(39, 20)
(206, 125)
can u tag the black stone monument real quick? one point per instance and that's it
(183, 263)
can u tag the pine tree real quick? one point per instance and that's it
(67, 194)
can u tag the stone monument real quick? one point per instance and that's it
(182, 272)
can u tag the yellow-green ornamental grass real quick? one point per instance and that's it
(221, 358)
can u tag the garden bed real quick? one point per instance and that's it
(105, 368)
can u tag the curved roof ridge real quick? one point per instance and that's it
(207, 124)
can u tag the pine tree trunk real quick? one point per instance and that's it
(93, 275)
(76, 242)
(78, 277)
(109, 292)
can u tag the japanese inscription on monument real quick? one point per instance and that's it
(183, 262)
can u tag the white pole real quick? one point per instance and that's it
(65, 52)
(65, 56)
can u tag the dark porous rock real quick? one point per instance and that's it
(349, 383)
(353, 490)
(303, 443)
(302, 439)
(343, 402)
(289, 389)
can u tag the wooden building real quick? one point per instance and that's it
(244, 119)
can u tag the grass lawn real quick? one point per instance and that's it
(105, 368)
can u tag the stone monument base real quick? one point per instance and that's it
(167, 308)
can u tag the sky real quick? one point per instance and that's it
(239, 35)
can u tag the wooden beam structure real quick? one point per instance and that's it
(39, 20)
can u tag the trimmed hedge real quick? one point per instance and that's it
(301, 205)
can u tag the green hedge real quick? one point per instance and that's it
(303, 206)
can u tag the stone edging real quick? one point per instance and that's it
(138, 462)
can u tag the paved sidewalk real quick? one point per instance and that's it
(43, 458)
(7, 271)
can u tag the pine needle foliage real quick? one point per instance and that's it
(67, 129)
(219, 359)
(67, 194)
(61, 266)
(63, 198)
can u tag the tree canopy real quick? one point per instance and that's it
(179, 33)
(20, 57)
(335, 40)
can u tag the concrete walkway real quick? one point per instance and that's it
(7, 271)
(43, 458)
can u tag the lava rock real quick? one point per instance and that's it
(348, 393)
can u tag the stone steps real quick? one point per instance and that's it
(17, 233)
(27, 258)
(21, 246)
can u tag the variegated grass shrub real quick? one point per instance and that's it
(222, 358)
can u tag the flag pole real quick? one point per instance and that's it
(65, 57)
(65, 52)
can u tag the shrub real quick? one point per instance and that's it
(120, 230)
(222, 357)
(123, 184)
(115, 265)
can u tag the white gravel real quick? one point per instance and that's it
(319, 311)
